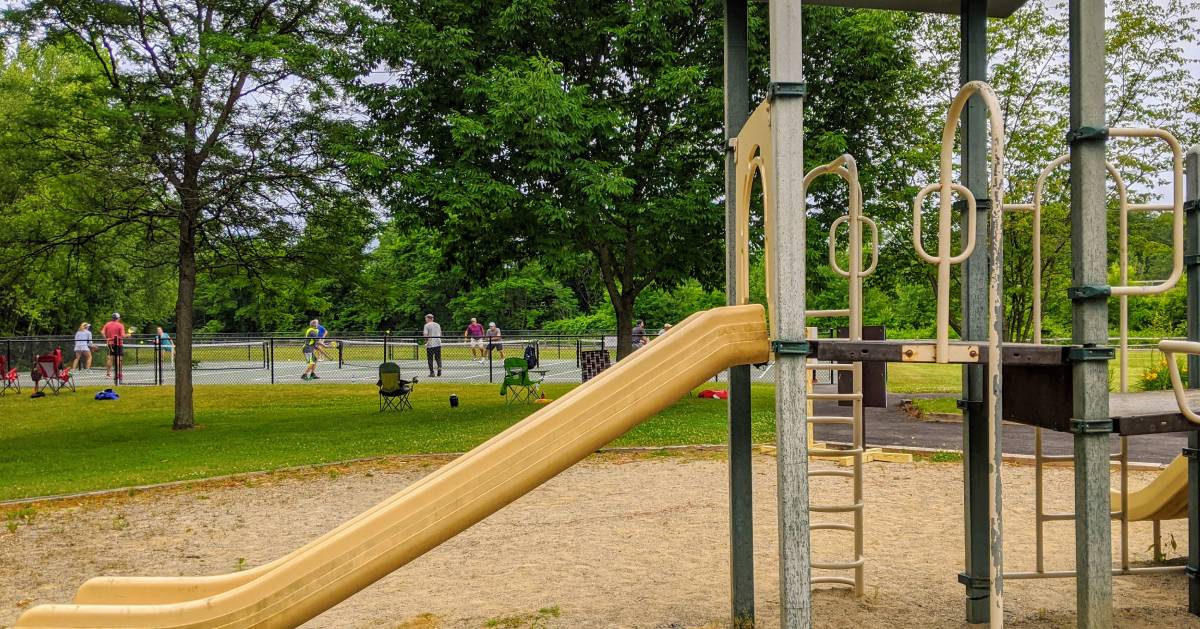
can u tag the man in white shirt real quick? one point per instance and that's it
(433, 344)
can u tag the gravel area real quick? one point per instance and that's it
(620, 540)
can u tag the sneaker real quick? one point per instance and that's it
(431, 374)
(314, 377)
(439, 373)
(304, 376)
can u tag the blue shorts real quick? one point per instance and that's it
(310, 356)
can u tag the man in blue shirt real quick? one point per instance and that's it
(321, 344)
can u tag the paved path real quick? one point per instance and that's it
(893, 427)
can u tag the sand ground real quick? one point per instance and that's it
(617, 541)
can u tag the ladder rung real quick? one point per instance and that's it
(836, 508)
(830, 419)
(819, 452)
(838, 565)
(849, 528)
(1058, 517)
(828, 367)
(839, 397)
(837, 312)
(831, 579)
(838, 473)
(1056, 458)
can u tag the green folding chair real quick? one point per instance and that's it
(393, 391)
(520, 385)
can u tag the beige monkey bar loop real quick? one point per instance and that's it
(945, 189)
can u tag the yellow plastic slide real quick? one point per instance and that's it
(1165, 498)
(301, 585)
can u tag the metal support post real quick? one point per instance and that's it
(973, 65)
(741, 485)
(1191, 249)
(1089, 252)
(272, 360)
(788, 260)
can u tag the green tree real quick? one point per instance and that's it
(224, 105)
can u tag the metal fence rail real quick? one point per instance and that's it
(350, 358)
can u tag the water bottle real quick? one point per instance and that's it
(453, 400)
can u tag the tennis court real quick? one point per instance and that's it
(271, 360)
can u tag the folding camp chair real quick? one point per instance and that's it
(9, 380)
(393, 391)
(520, 385)
(50, 370)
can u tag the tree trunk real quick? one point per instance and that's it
(184, 416)
(624, 310)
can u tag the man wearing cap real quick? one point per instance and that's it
(433, 344)
(114, 337)
(493, 340)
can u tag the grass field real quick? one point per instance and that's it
(70, 442)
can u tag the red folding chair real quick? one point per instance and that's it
(9, 380)
(50, 369)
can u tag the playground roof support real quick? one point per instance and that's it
(741, 478)
(791, 375)
(1089, 251)
(1191, 249)
(973, 66)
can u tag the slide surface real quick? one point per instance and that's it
(1165, 498)
(328, 570)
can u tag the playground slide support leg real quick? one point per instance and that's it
(1091, 423)
(741, 486)
(1191, 249)
(975, 170)
(788, 258)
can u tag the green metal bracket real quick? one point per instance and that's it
(1089, 291)
(784, 89)
(1191, 259)
(1191, 453)
(981, 205)
(790, 348)
(1192, 206)
(1091, 352)
(974, 583)
(1087, 134)
(1092, 426)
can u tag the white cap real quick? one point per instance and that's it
(492, 323)
(429, 316)
(116, 315)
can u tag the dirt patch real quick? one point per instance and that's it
(622, 540)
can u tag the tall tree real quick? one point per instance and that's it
(526, 128)
(224, 104)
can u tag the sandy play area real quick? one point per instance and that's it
(618, 541)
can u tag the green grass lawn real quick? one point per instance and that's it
(70, 442)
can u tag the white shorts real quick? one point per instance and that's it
(476, 342)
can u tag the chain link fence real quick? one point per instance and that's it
(352, 358)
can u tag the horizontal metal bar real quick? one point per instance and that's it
(1150, 207)
(821, 314)
(832, 473)
(1063, 517)
(838, 565)
(858, 506)
(1058, 458)
(829, 367)
(832, 452)
(831, 579)
(1117, 572)
(841, 397)
(837, 421)
(849, 528)
(1018, 207)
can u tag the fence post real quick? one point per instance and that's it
(578, 350)
(158, 361)
(385, 348)
(490, 380)
(341, 345)
(271, 359)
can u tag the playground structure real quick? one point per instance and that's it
(1061, 387)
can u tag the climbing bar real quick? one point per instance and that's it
(1169, 349)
